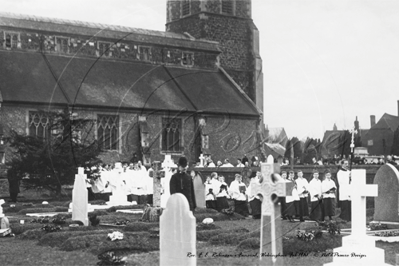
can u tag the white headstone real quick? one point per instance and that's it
(165, 182)
(358, 243)
(1, 208)
(80, 198)
(177, 233)
(202, 160)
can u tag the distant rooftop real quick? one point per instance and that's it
(91, 28)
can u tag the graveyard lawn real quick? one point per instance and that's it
(233, 236)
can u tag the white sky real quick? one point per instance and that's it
(324, 61)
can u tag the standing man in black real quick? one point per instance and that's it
(181, 182)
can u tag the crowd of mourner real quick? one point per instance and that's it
(313, 200)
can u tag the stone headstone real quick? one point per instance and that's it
(272, 187)
(4, 224)
(199, 191)
(1, 208)
(177, 233)
(80, 199)
(386, 206)
(359, 242)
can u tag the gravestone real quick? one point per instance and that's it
(199, 191)
(177, 241)
(157, 174)
(167, 165)
(80, 199)
(386, 206)
(1, 208)
(202, 160)
(272, 187)
(359, 243)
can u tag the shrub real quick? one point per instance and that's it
(18, 229)
(250, 243)
(96, 202)
(33, 234)
(139, 226)
(15, 209)
(321, 244)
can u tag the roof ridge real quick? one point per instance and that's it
(102, 26)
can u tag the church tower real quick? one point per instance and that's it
(228, 22)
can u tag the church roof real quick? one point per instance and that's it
(73, 27)
(87, 82)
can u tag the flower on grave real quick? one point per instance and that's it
(109, 258)
(387, 233)
(377, 226)
(115, 236)
(49, 228)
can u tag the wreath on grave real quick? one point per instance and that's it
(109, 258)
(50, 229)
(377, 226)
(387, 233)
(308, 235)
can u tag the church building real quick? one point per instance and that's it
(195, 88)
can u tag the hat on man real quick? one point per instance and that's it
(183, 162)
(315, 171)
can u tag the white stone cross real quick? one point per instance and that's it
(80, 201)
(202, 160)
(177, 240)
(271, 232)
(359, 192)
(359, 243)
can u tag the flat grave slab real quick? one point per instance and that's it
(131, 211)
(44, 214)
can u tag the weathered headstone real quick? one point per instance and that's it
(177, 240)
(272, 187)
(199, 191)
(80, 198)
(1, 208)
(167, 164)
(386, 206)
(157, 174)
(359, 243)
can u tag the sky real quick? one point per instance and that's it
(325, 62)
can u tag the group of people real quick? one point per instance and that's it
(136, 182)
(241, 162)
(317, 199)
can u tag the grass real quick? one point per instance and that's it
(228, 235)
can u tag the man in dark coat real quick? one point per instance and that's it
(13, 182)
(181, 182)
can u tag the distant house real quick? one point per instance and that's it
(379, 138)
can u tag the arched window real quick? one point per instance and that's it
(108, 131)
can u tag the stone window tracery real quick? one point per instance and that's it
(108, 131)
(39, 125)
(171, 135)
